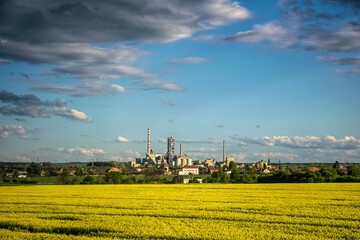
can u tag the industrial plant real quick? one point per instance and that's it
(173, 160)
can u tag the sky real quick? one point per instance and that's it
(84, 80)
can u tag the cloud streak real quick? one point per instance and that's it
(189, 60)
(82, 151)
(310, 142)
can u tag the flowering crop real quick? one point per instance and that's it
(207, 211)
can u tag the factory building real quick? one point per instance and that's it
(183, 160)
(170, 151)
(151, 157)
(169, 158)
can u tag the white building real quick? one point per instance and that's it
(189, 169)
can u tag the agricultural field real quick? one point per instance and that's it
(195, 211)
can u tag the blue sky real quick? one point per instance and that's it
(84, 80)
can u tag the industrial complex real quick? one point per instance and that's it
(170, 159)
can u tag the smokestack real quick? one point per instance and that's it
(148, 141)
(180, 149)
(223, 150)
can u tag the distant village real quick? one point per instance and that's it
(171, 168)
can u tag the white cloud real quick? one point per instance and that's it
(12, 130)
(118, 88)
(189, 60)
(310, 142)
(122, 139)
(82, 151)
(270, 32)
(162, 85)
(18, 158)
(71, 114)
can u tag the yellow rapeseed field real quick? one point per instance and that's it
(197, 211)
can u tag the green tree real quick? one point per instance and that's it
(49, 169)
(129, 180)
(16, 173)
(34, 170)
(113, 177)
(329, 174)
(232, 165)
(64, 177)
(79, 172)
(353, 170)
(88, 180)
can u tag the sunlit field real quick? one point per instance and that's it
(198, 211)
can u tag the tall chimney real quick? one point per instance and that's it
(223, 150)
(180, 149)
(148, 141)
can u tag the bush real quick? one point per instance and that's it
(88, 180)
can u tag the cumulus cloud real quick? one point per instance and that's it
(82, 151)
(311, 142)
(189, 60)
(271, 32)
(71, 114)
(311, 26)
(113, 21)
(13, 130)
(51, 35)
(31, 106)
(122, 139)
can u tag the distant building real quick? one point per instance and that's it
(273, 169)
(170, 150)
(210, 162)
(138, 160)
(134, 164)
(212, 169)
(166, 168)
(261, 165)
(187, 180)
(314, 169)
(228, 160)
(154, 158)
(189, 170)
(114, 169)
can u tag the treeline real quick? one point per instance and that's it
(112, 178)
(325, 174)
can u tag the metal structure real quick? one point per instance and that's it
(148, 142)
(170, 149)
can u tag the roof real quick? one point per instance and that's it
(190, 167)
(114, 170)
(212, 168)
(314, 169)
(165, 165)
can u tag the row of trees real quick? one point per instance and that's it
(326, 174)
